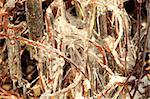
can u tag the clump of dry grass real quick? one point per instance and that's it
(88, 49)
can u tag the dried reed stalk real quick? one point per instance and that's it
(35, 18)
(14, 58)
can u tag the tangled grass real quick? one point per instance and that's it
(87, 49)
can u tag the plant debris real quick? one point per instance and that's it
(75, 49)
